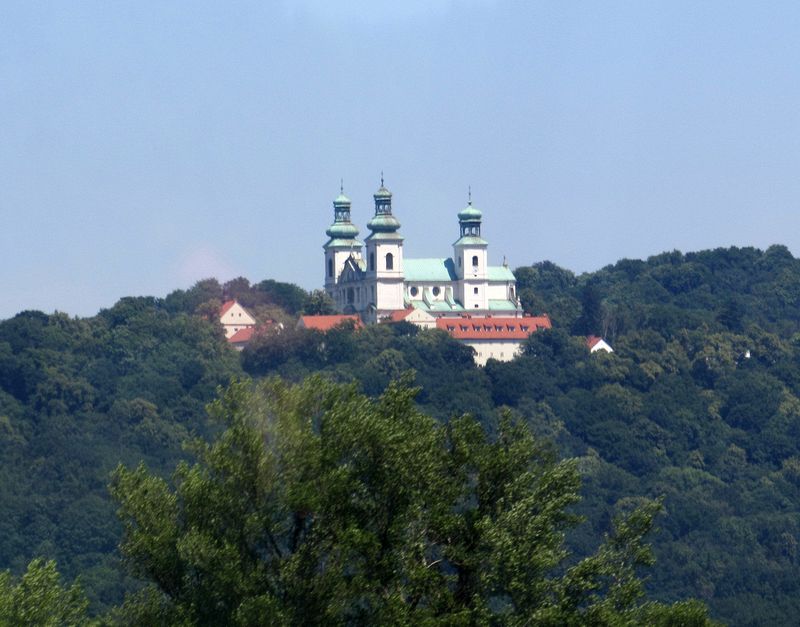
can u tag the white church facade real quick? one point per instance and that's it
(374, 279)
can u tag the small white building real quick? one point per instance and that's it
(233, 318)
(598, 344)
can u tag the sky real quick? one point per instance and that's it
(147, 145)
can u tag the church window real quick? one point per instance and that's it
(436, 291)
(414, 291)
(330, 267)
(372, 261)
(350, 295)
(389, 261)
(476, 305)
(474, 260)
(475, 291)
(459, 262)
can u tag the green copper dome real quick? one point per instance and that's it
(342, 230)
(383, 223)
(470, 214)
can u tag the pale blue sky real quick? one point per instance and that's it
(145, 145)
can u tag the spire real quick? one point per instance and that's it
(469, 220)
(342, 229)
(383, 222)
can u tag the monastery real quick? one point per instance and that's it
(378, 281)
(462, 294)
(372, 282)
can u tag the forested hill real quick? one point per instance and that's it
(700, 403)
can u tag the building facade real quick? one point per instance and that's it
(374, 279)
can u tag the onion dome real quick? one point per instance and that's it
(342, 228)
(383, 222)
(470, 213)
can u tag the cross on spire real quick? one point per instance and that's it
(381, 178)
(469, 194)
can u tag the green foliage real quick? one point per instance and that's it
(76, 398)
(699, 403)
(38, 599)
(320, 506)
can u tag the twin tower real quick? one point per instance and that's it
(378, 281)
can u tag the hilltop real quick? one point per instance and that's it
(700, 402)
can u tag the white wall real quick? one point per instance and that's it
(504, 350)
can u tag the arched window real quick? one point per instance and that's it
(330, 267)
(389, 261)
(474, 260)
(351, 296)
(372, 261)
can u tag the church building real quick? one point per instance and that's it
(374, 279)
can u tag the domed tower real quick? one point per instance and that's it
(471, 257)
(343, 241)
(384, 256)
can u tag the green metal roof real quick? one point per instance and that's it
(343, 243)
(470, 214)
(471, 240)
(341, 199)
(385, 223)
(437, 305)
(379, 235)
(499, 273)
(501, 305)
(342, 230)
(442, 270)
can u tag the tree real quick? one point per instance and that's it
(591, 320)
(38, 599)
(319, 303)
(318, 505)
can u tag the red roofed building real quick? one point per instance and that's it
(411, 314)
(491, 337)
(242, 337)
(598, 344)
(326, 323)
(233, 318)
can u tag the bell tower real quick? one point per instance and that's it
(343, 242)
(384, 256)
(471, 257)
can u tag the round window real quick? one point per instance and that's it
(414, 291)
(436, 291)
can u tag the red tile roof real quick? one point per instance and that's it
(326, 323)
(592, 340)
(491, 328)
(225, 306)
(400, 315)
(242, 335)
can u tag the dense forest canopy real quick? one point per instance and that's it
(699, 403)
